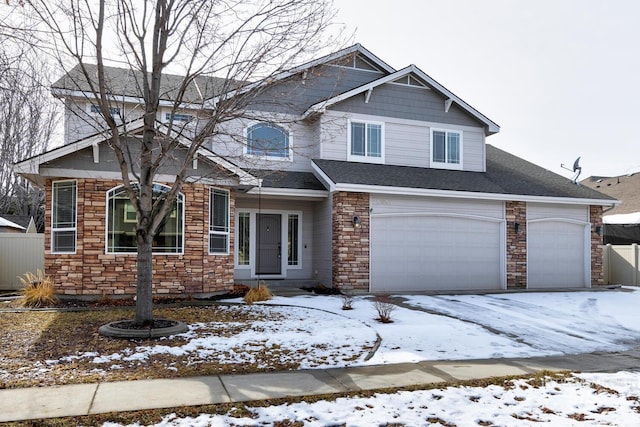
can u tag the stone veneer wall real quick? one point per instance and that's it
(350, 245)
(516, 212)
(90, 271)
(597, 256)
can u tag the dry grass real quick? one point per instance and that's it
(32, 338)
(38, 291)
(257, 294)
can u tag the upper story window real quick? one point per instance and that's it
(63, 217)
(446, 149)
(122, 220)
(268, 140)
(178, 117)
(95, 109)
(366, 141)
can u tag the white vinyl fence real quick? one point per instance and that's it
(19, 253)
(621, 265)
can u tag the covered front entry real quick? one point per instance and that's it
(443, 247)
(273, 240)
(269, 244)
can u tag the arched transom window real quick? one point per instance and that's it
(268, 140)
(122, 220)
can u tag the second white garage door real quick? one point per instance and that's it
(421, 252)
(558, 246)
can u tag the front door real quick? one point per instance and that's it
(269, 244)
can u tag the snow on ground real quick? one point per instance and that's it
(317, 339)
(494, 326)
(576, 401)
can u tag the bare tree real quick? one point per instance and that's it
(27, 123)
(247, 44)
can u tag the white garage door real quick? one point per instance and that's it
(434, 252)
(558, 254)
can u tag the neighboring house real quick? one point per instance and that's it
(7, 226)
(622, 222)
(368, 179)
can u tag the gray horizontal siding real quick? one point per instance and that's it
(297, 93)
(407, 142)
(231, 142)
(406, 102)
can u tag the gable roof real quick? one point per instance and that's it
(29, 168)
(356, 49)
(491, 127)
(10, 224)
(123, 82)
(507, 178)
(625, 188)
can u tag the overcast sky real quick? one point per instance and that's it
(560, 77)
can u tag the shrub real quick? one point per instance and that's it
(259, 293)
(347, 301)
(38, 290)
(384, 306)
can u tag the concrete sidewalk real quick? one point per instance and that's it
(87, 399)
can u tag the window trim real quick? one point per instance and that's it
(365, 158)
(285, 129)
(178, 117)
(216, 232)
(298, 215)
(445, 164)
(75, 219)
(237, 239)
(96, 110)
(108, 218)
(284, 214)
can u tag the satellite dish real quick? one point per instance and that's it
(577, 169)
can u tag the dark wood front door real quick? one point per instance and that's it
(269, 244)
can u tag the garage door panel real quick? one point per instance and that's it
(435, 253)
(556, 254)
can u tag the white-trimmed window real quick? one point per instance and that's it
(95, 109)
(122, 220)
(243, 242)
(218, 221)
(63, 217)
(293, 240)
(268, 140)
(446, 149)
(178, 117)
(366, 141)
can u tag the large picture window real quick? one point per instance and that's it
(63, 217)
(446, 149)
(219, 221)
(268, 140)
(366, 141)
(122, 220)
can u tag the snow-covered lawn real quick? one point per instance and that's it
(583, 400)
(498, 325)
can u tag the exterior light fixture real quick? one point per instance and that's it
(516, 227)
(356, 221)
(599, 230)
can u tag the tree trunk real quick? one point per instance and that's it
(144, 299)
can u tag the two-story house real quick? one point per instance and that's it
(361, 177)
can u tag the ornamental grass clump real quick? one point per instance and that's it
(38, 290)
(259, 293)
